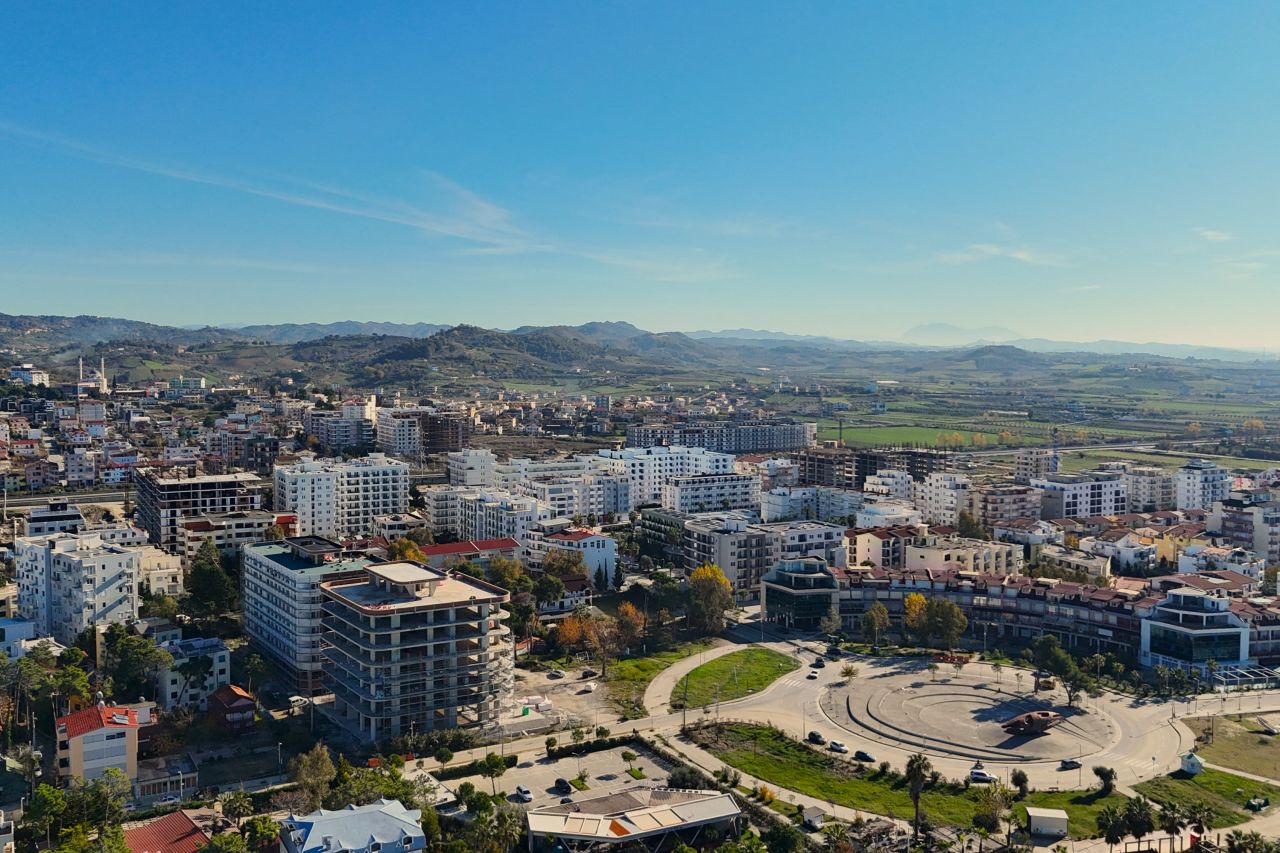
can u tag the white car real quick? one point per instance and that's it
(837, 746)
(556, 673)
(523, 794)
(981, 776)
(813, 675)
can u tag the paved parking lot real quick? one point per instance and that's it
(606, 773)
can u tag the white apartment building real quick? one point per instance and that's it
(588, 494)
(797, 539)
(888, 513)
(175, 690)
(440, 507)
(399, 431)
(940, 497)
(710, 492)
(282, 602)
(649, 468)
(497, 515)
(971, 555)
(332, 497)
(70, 581)
(1150, 489)
(231, 531)
(1082, 495)
(599, 552)
(819, 503)
(1199, 483)
(480, 468)
(895, 485)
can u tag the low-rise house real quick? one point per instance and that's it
(640, 818)
(232, 709)
(97, 738)
(380, 827)
(200, 666)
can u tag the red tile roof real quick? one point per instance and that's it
(572, 535)
(231, 694)
(92, 719)
(471, 546)
(173, 833)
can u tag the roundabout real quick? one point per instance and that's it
(966, 718)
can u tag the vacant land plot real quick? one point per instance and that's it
(1239, 742)
(629, 678)
(1225, 793)
(771, 756)
(731, 677)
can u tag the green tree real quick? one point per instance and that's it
(1106, 778)
(1172, 819)
(254, 667)
(564, 563)
(195, 671)
(917, 772)
(237, 805)
(830, 624)
(1018, 778)
(133, 661)
(782, 838)
(946, 622)
(875, 623)
(45, 810)
(210, 590)
(313, 771)
(491, 767)
(1139, 817)
(260, 830)
(225, 842)
(404, 549)
(710, 597)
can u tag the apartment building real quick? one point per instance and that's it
(480, 468)
(990, 505)
(599, 552)
(176, 690)
(1191, 627)
(894, 485)
(732, 541)
(798, 593)
(495, 515)
(884, 547)
(411, 432)
(709, 492)
(334, 497)
(941, 496)
(887, 513)
(70, 581)
(1082, 495)
(1033, 463)
(414, 649)
(1249, 519)
(163, 502)
(1151, 489)
(583, 495)
(726, 436)
(937, 553)
(1200, 483)
(282, 600)
(649, 468)
(231, 531)
(847, 468)
(95, 739)
(55, 517)
(440, 507)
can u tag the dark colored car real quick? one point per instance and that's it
(563, 786)
(1069, 764)
(819, 663)
(816, 737)
(864, 756)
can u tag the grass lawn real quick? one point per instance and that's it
(732, 677)
(1226, 793)
(1240, 743)
(636, 773)
(628, 678)
(1082, 808)
(228, 771)
(579, 784)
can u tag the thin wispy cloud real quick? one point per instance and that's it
(1213, 235)
(989, 251)
(465, 215)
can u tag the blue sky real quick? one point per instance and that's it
(1066, 170)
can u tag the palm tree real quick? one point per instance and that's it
(1019, 675)
(507, 829)
(1111, 824)
(848, 672)
(237, 805)
(835, 837)
(917, 773)
(997, 668)
(1199, 817)
(1173, 820)
(1139, 817)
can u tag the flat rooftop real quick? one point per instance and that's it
(406, 584)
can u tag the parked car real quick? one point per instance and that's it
(837, 746)
(171, 800)
(981, 776)
(864, 756)
(835, 652)
(813, 675)
(1069, 764)
(566, 800)
(523, 794)
(556, 673)
(589, 673)
(816, 737)
(563, 786)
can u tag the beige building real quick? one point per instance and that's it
(94, 739)
(990, 505)
(969, 555)
(231, 531)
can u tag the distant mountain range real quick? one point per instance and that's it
(374, 354)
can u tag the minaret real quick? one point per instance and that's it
(81, 368)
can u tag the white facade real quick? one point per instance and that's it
(895, 485)
(176, 690)
(974, 555)
(70, 581)
(335, 498)
(599, 552)
(709, 492)
(1198, 484)
(1083, 495)
(941, 495)
(649, 468)
(888, 514)
(1150, 489)
(495, 515)
(589, 494)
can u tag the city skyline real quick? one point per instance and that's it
(1070, 174)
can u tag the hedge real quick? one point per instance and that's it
(569, 750)
(471, 768)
